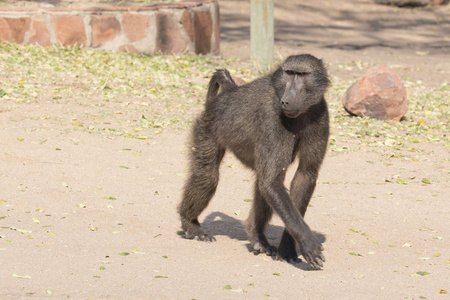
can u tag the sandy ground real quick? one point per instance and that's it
(86, 216)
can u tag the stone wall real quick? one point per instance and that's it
(170, 28)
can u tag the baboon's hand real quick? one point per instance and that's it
(311, 250)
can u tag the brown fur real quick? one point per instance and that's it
(252, 122)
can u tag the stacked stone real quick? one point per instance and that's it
(169, 28)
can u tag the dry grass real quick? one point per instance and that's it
(138, 96)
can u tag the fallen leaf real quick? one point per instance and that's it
(21, 276)
(389, 142)
(422, 273)
(426, 181)
(136, 251)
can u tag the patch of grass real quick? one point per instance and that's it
(107, 92)
(138, 96)
(427, 120)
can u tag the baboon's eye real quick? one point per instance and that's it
(297, 73)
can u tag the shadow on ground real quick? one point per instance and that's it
(346, 25)
(220, 224)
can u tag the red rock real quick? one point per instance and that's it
(168, 36)
(402, 3)
(5, 34)
(239, 81)
(69, 30)
(380, 94)
(135, 26)
(17, 28)
(186, 20)
(104, 29)
(129, 48)
(440, 2)
(39, 32)
(203, 31)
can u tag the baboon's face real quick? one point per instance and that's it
(305, 80)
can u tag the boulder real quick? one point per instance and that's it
(411, 3)
(239, 81)
(379, 94)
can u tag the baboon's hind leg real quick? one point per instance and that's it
(201, 185)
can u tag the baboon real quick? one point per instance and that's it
(266, 124)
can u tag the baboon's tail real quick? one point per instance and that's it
(221, 79)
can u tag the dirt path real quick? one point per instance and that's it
(101, 200)
(88, 216)
(416, 42)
